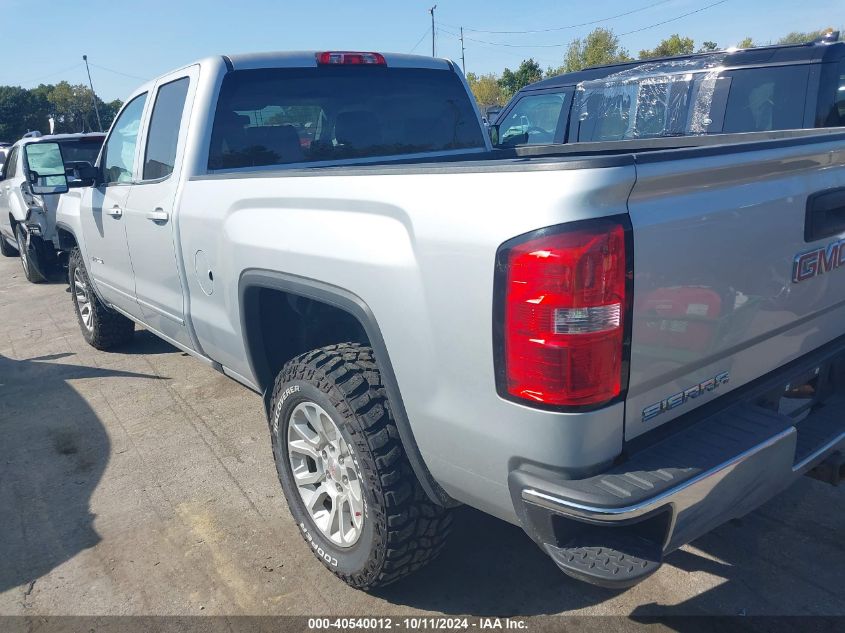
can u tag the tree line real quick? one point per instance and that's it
(71, 107)
(598, 48)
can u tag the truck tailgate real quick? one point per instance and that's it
(728, 287)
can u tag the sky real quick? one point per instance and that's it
(128, 42)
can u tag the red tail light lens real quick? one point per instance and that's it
(349, 58)
(564, 315)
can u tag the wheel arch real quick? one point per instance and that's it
(67, 238)
(255, 283)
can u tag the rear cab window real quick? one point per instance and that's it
(83, 149)
(280, 116)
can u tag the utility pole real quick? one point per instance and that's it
(93, 94)
(431, 11)
(463, 59)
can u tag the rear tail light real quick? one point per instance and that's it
(562, 297)
(350, 58)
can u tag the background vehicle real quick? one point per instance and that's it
(753, 90)
(493, 112)
(4, 149)
(28, 221)
(590, 344)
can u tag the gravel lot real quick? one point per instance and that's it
(141, 482)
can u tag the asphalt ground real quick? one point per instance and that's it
(142, 482)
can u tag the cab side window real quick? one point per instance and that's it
(838, 114)
(764, 99)
(119, 153)
(11, 165)
(163, 136)
(534, 120)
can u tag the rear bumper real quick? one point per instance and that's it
(614, 529)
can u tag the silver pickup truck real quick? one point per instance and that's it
(615, 346)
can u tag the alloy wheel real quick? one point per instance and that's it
(82, 294)
(23, 248)
(326, 474)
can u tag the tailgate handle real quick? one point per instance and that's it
(825, 214)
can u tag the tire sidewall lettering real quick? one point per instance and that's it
(351, 560)
(321, 553)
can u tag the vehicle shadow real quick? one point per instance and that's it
(53, 451)
(145, 343)
(772, 562)
(492, 568)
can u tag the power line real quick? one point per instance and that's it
(570, 26)
(422, 37)
(58, 72)
(645, 28)
(117, 72)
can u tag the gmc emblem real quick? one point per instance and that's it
(818, 261)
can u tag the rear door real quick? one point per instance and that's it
(150, 222)
(731, 281)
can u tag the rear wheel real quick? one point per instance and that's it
(35, 257)
(344, 472)
(101, 327)
(6, 249)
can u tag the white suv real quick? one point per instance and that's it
(28, 221)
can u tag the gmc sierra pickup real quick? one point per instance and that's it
(616, 346)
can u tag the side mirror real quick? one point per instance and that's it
(494, 134)
(45, 168)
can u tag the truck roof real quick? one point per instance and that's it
(29, 140)
(299, 59)
(758, 56)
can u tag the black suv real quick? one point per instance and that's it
(750, 90)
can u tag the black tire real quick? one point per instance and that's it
(402, 529)
(108, 328)
(6, 249)
(36, 258)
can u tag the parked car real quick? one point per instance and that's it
(753, 90)
(603, 349)
(28, 220)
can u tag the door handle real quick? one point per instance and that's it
(115, 212)
(159, 215)
(825, 214)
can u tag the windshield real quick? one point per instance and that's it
(291, 115)
(83, 149)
